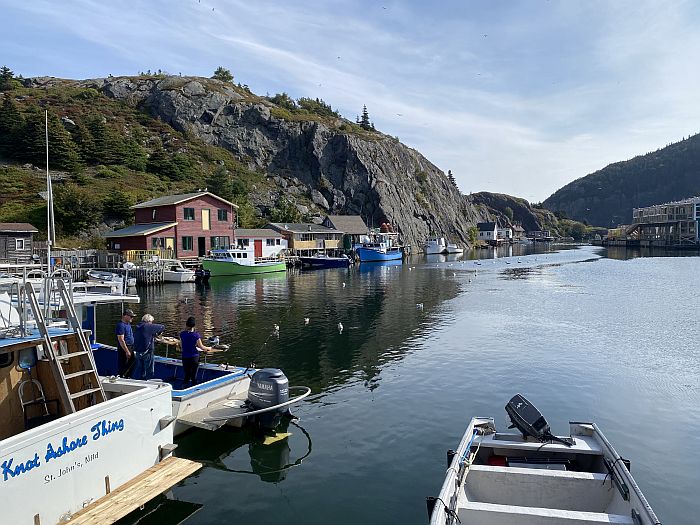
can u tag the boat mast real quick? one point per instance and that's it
(50, 233)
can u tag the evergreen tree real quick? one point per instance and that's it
(223, 74)
(452, 178)
(364, 120)
(133, 155)
(63, 153)
(11, 128)
(76, 208)
(118, 205)
(85, 143)
(109, 145)
(219, 183)
(7, 79)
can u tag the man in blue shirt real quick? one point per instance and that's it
(144, 345)
(125, 343)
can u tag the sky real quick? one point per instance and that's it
(517, 97)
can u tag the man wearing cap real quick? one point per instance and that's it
(125, 343)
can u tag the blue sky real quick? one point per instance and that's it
(514, 97)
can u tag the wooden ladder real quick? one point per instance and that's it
(91, 386)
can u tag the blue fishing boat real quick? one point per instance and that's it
(322, 261)
(382, 246)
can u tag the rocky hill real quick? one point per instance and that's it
(179, 130)
(606, 197)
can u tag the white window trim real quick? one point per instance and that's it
(24, 247)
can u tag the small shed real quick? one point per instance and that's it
(16, 242)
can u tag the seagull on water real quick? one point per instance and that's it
(306, 320)
(419, 306)
(340, 328)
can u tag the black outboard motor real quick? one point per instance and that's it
(526, 418)
(268, 387)
(530, 421)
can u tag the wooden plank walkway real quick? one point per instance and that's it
(136, 492)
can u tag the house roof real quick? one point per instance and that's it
(139, 230)
(10, 227)
(518, 228)
(301, 227)
(256, 232)
(350, 224)
(485, 226)
(169, 200)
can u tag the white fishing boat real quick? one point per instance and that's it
(175, 272)
(454, 248)
(67, 435)
(535, 478)
(434, 245)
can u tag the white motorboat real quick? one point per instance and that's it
(539, 479)
(108, 282)
(175, 272)
(435, 245)
(454, 248)
(67, 435)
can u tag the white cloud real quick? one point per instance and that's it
(518, 98)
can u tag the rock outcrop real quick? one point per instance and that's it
(341, 170)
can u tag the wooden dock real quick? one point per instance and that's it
(135, 493)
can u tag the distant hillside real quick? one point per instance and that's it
(506, 209)
(606, 197)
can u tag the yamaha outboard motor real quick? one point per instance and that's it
(268, 387)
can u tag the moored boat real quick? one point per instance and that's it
(378, 247)
(435, 245)
(454, 248)
(66, 431)
(240, 262)
(175, 272)
(536, 477)
(320, 261)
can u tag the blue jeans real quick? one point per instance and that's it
(144, 367)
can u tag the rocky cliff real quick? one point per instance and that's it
(342, 169)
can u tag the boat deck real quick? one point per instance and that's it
(11, 343)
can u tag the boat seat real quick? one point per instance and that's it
(494, 514)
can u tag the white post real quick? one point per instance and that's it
(49, 198)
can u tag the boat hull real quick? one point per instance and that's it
(219, 268)
(65, 461)
(178, 277)
(318, 263)
(371, 255)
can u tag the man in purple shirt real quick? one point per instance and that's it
(144, 346)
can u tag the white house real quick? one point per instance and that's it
(488, 231)
(264, 242)
(505, 234)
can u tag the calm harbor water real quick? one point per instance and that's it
(586, 335)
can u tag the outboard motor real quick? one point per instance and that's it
(530, 421)
(526, 418)
(268, 387)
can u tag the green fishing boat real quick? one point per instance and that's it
(240, 262)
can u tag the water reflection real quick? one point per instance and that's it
(268, 458)
(623, 254)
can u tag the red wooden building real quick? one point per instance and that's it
(180, 226)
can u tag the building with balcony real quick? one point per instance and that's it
(673, 224)
(306, 238)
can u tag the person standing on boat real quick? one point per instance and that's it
(191, 343)
(144, 345)
(125, 343)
